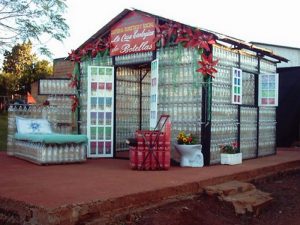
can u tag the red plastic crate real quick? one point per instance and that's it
(153, 148)
(143, 160)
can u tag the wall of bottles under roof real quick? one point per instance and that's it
(128, 103)
(224, 115)
(267, 119)
(180, 95)
(180, 89)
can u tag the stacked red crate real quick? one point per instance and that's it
(152, 151)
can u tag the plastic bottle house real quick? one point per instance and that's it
(140, 66)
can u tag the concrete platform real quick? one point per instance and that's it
(78, 193)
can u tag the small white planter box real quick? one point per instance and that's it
(231, 159)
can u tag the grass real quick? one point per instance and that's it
(3, 131)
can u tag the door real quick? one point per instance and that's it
(100, 123)
(154, 94)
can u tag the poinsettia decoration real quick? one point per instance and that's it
(74, 56)
(207, 65)
(189, 38)
(101, 45)
(92, 48)
(199, 40)
(171, 29)
(73, 80)
(161, 34)
(75, 102)
(183, 35)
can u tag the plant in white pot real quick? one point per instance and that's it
(189, 150)
(230, 154)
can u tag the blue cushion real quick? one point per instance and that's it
(53, 138)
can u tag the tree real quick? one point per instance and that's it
(18, 59)
(21, 68)
(34, 20)
(3, 85)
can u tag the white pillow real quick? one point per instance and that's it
(33, 126)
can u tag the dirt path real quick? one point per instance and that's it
(204, 210)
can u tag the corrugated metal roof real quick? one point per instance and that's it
(274, 45)
(237, 43)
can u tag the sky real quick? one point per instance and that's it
(266, 21)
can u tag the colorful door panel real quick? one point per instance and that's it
(100, 111)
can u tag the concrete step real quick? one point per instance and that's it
(229, 188)
(250, 201)
(243, 196)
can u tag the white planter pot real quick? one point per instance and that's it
(231, 159)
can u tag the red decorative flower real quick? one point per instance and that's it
(183, 35)
(74, 56)
(200, 40)
(103, 44)
(84, 51)
(73, 83)
(171, 28)
(235, 144)
(207, 65)
(75, 102)
(205, 40)
(73, 80)
(161, 34)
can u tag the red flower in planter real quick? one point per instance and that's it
(230, 148)
(207, 65)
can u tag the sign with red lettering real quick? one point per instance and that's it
(134, 33)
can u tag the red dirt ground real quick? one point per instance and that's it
(204, 210)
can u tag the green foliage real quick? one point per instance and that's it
(3, 86)
(35, 20)
(3, 131)
(18, 59)
(21, 68)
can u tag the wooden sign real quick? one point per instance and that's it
(134, 33)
